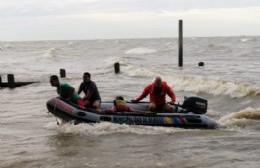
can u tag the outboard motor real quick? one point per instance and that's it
(196, 105)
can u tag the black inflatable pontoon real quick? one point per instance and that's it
(189, 115)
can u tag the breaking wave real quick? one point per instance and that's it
(50, 53)
(198, 84)
(243, 118)
(6, 45)
(141, 72)
(140, 50)
(125, 67)
(186, 82)
(244, 40)
(107, 128)
(215, 86)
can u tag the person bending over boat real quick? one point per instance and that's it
(120, 105)
(158, 90)
(91, 97)
(65, 91)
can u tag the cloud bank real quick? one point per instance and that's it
(102, 19)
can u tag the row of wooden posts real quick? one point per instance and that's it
(12, 84)
(116, 68)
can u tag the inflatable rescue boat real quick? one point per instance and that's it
(191, 114)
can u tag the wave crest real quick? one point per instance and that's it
(107, 128)
(215, 86)
(140, 50)
(50, 53)
(243, 118)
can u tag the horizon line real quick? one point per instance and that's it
(126, 38)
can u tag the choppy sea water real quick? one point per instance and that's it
(230, 81)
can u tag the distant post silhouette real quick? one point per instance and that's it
(180, 44)
(117, 67)
(10, 79)
(201, 63)
(62, 73)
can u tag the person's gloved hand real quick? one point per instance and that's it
(171, 102)
(134, 101)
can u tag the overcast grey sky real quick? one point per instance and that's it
(112, 19)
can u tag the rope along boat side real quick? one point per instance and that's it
(191, 114)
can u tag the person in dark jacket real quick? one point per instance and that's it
(91, 97)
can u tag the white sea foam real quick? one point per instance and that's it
(131, 70)
(248, 113)
(51, 126)
(243, 118)
(5, 45)
(71, 43)
(50, 53)
(106, 128)
(169, 44)
(140, 50)
(215, 86)
(138, 71)
(244, 39)
(197, 83)
(111, 60)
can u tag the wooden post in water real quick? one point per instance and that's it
(62, 73)
(180, 44)
(10, 79)
(11, 82)
(1, 82)
(201, 63)
(117, 67)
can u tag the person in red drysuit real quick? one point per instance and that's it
(158, 90)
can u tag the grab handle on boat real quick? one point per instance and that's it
(133, 101)
(174, 104)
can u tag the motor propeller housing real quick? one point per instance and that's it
(195, 104)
